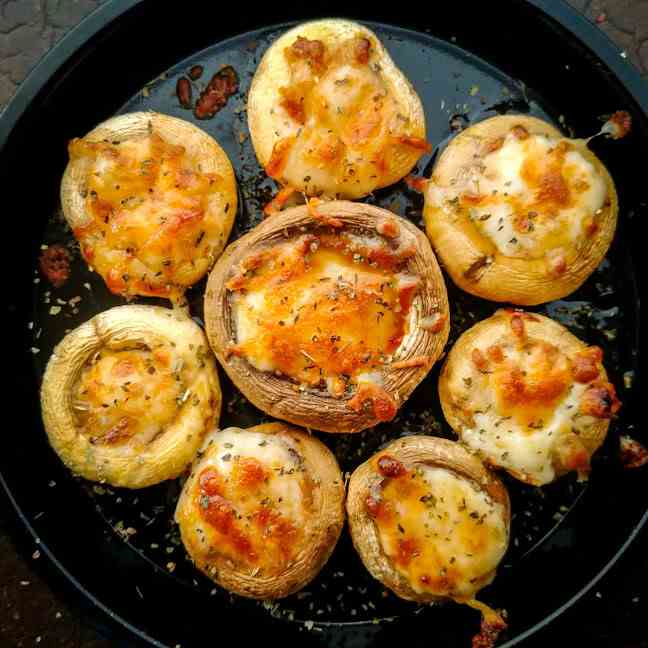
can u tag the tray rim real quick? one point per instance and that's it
(102, 17)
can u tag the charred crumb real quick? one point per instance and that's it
(184, 92)
(195, 72)
(213, 98)
(458, 122)
(54, 263)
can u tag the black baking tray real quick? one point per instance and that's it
(467, 62)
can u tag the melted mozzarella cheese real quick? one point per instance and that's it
(283, 488)
(251, 500)
(524, 409)
(528, 197)
(341, 127)
(153, 218)
(441, 532)
(526, 451)
(324, 318)
(124, 395)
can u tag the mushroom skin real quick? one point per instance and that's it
(331, 114)
(249, 530)
(528, 396)
(384, 492)
(532, 238)
(418, 345)
(128, 396)
(151, 199)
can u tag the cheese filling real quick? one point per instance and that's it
(128, 395)
(325, 311)
(252, 495)
(440, 531)
(527, 410)
(529, 197)
(529, 450)
(340, 127)
(152, 215)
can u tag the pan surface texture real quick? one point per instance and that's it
(121, 548)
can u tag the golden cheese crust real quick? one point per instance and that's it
(129, 395)
(428, 519)
(527, 395)
(328, 317)
(519, 213)
(262, 509)
(151, 200)
(330, 114)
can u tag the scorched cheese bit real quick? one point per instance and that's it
(326, 311)
(531, 196)
(345, 122)
(526, 402)
(155, 221)
(441, 532)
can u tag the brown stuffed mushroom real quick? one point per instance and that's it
(328, 316)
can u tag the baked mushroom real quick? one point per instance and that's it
(262, 509)
(430, 522)
(331, 114)
(528, 395)
(328, 316)
(128, 396)
(151, 200)
(519, 213)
